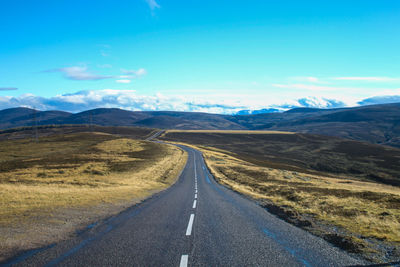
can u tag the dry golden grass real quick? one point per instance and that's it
(366, 210)
(48, 189)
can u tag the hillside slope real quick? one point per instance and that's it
(378, 124)
(17, 117)
(307, 153)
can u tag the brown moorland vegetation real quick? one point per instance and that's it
(308, 153)
(48, 130)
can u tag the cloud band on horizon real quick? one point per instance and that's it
(129, 100)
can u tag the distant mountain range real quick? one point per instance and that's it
(379, 124)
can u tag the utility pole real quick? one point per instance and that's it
(91, 121)
(35, 125)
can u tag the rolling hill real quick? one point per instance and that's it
(299, 152)
(378, 124)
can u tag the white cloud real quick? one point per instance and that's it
(214, 103)
(310, 79)
(383, 97)
(133, 73)
(152, 4)
(123, 81)
(79, 73)
(8, 88)
(311, 87)
(319, 102)
(125, 99)
(380, 100)
(369, 79)
(130, 100)
(73, 99)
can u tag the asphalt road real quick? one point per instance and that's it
(196, 222)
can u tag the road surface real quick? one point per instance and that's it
(155, 135)
(196, 222)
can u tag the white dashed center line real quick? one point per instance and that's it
(190, 225)
(185, 258)
(184, 261)
(195, 171)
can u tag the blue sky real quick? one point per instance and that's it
(215, 56)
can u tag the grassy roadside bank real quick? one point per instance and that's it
(360, 217)
(51, 188)
(356, 214)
